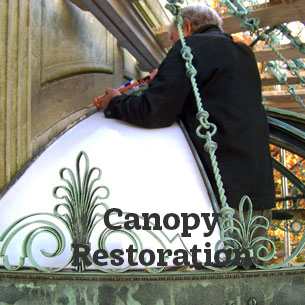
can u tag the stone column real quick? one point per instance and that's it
(15, 96)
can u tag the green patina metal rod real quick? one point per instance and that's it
(294, 40)
(282, 76)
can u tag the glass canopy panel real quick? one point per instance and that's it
(146, 171)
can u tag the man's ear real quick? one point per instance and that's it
(187, 28)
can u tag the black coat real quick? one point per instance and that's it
(230, 88)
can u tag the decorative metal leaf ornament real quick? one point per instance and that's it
(80, 202)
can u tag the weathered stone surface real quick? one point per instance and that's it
(190, 288)
(14, 87)
(73, 42)
(54, 59)
(3, 55)
(129, 27)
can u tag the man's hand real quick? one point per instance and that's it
(153, 73)
(110, 93)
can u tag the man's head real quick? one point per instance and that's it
(194, 17)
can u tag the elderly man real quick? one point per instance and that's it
(229, 85)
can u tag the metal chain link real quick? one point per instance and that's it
(294, 40)
(291, 67)
(237, 9)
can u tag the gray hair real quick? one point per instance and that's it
(200, 15)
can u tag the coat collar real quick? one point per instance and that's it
(208, 28)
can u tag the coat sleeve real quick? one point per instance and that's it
(160, 104)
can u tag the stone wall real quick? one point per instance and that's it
(169, 288)
(54, 59)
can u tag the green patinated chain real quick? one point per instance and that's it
(202, 115)
(293, 68)
(282, 77)
(294, 40)
(237, 9)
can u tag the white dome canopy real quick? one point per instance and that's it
(146, 171)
